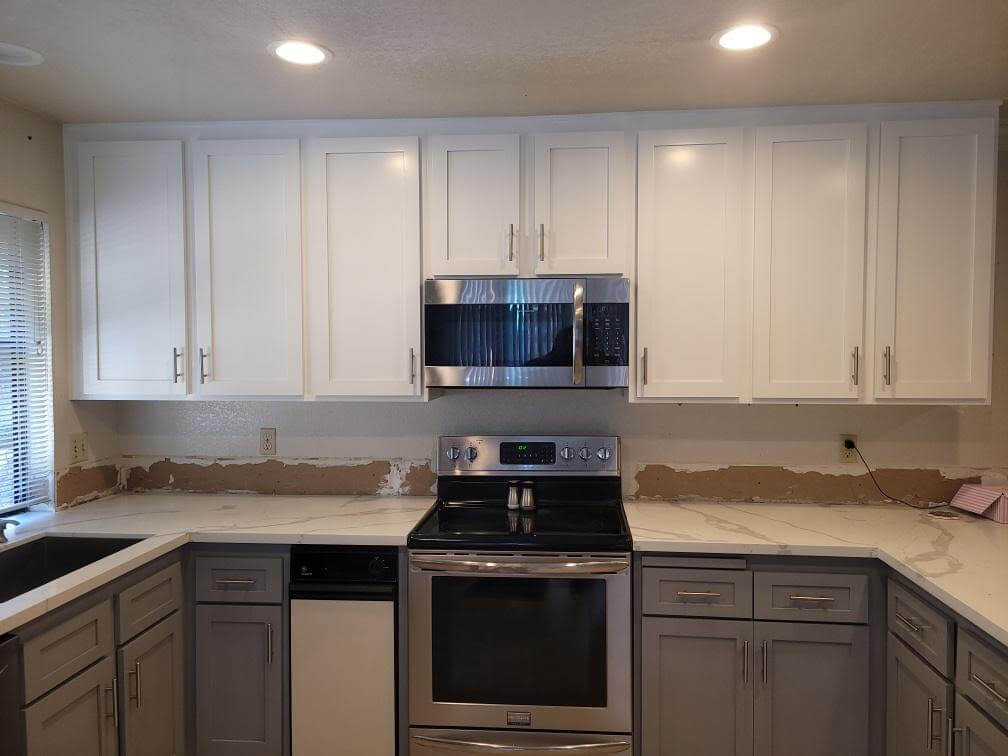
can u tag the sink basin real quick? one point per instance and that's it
(23, 568)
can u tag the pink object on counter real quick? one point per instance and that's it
(985, 501)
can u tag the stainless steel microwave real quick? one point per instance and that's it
(526, 332)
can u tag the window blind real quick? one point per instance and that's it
(26, 430)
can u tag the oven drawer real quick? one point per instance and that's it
(482, 742)
(698, 593)
(811, 597)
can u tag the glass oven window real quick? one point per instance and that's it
(521, 641)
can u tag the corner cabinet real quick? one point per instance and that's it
(474, 205)
(364, 266)
(935, 259)
(131, 338)
(247, 260)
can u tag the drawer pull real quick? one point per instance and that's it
(812, 598)
(931, 737)
(989, 687)
(223, 581)
(912, 626)
(698, 594)
(745, 662)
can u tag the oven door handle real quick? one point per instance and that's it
(475, 746)
(599, 567)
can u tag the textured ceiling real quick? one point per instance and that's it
(120, 60)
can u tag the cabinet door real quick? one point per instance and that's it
(474, 205)
(689, 263)
(808, 315)
(697, 687)
(579, 203)
(239, 680)
(132, 269)
(935, 259)
(150, 677)
(247, 215)
(812, 690)
(76, 719)
(364, 266)
(974, 734)
(918, 704)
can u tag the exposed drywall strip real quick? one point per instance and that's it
(80, 483)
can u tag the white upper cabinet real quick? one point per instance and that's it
(132, 307)
(364, 266)
(247, 265)
(689, 263)
(808, 309)
(579, 192)
(935, 259)
(474, 205)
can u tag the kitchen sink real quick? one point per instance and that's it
(23, 568)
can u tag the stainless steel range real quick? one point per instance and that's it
(519, 600)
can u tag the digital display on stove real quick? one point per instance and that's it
(527, 453)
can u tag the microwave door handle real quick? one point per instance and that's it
(450, 744)
(578, 332)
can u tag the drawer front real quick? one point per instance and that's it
(982, 675)
(62, 651)
(811, 597)
(150, 600)
(698, 593)
(922, 627)
(240, 580)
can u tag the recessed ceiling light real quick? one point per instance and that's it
(15, 55)
(745, 37)
(302, 53)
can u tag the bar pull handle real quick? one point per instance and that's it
(912, 626)
(114, 690)
(812, 598)
(203, 374)
(698, 594)
(856, 365)
(269, 643)
(745, 662)
(412, 363)
(135, 672)
(952, 732)
(542, 242)
(887, 365)
(578, 332)
(644, 367)
(176, 370)
(235, 581)
(765, 653)
(510, 242)
(989, 687)
(931, 711)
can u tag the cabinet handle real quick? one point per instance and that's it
(855, 367)
(931, 737)
(745, 662)
(812, 598)
(114, 716)
(135, 672)
(176, 372)
(912, 626)
(243, 581)
(203, 374)
(269, 643)
(952, 732)
(765, 653)
(887, 365)
(510, 242)
(989, 687)
(644, 368)
(705, 594)
(542, 242)
(412, 366)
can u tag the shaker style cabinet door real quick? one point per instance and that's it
(580, 195)
(473, 207)
(697, 687)
(935, 259)
(974, 734)
(918, 704)
(808, 313)
(247, 260)
(689, 264)
(132, 303)
(364, 274)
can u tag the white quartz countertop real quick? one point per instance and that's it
(963, 563)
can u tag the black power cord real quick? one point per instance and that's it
(848, 444)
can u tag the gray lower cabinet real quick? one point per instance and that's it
(697, 686)
(78, 718)
(918, 704)
(239, 680)
(974, 734)
(812, 689)
(151, 690)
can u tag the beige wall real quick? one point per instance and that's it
(31, 175)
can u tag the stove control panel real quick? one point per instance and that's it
(538, 455)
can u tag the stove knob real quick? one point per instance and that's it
(471, 453)
(452, 452)
(603, 453)
(566, 453)
(379, 567)
(584, 453)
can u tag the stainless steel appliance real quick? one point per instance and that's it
(519, 612)
(527, 332)
(343, 650)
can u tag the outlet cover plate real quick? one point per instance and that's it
(848, 456)
(267, 442)
(79, 451)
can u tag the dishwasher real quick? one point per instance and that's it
(343, 650)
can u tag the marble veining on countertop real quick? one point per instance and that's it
(963, 563)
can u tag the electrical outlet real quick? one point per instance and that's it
(848, 455)
(79, 451)
(267, 442)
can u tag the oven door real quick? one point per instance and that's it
(537, 642)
